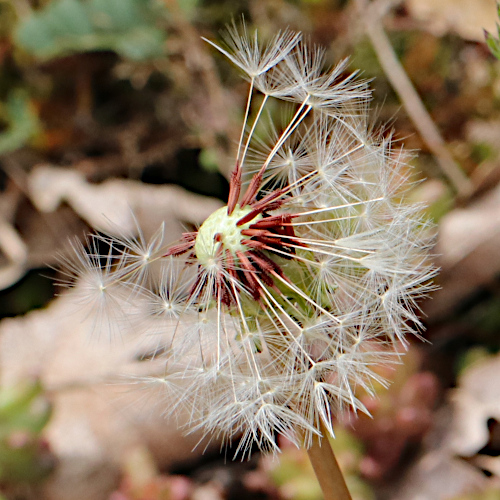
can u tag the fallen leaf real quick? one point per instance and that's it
(451, 463)
(437, 476)
(99, 415)
(119, 206)
(475, 402)
(467, 239)
(467, 18)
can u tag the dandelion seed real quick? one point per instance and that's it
(98, 293)
(283, 301)
(246, 52)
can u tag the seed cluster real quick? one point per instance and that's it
(234, 239)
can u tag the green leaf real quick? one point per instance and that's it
(34, 36)
(142, 43)
(493, 43)
(67, 17)
(116, 14)
(128, 27)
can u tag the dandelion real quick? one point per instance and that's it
(281, 304)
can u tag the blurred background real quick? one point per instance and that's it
(116, 114)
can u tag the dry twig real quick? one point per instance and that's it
(411, 100)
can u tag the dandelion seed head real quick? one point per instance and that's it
(278, 309)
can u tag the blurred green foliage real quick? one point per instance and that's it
(127, 27)
(494, 43)
(491, 494)
(21, 121)
(440, 207)
(24, 412)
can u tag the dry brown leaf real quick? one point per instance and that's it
(451, 464)
(475, 401)
(98, 414)
(117, 206)
(467, 250)
(15, 251)
(438, 476)
(467, 18)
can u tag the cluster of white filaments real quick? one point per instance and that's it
(278, 308)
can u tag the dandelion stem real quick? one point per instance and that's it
(327, 469)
